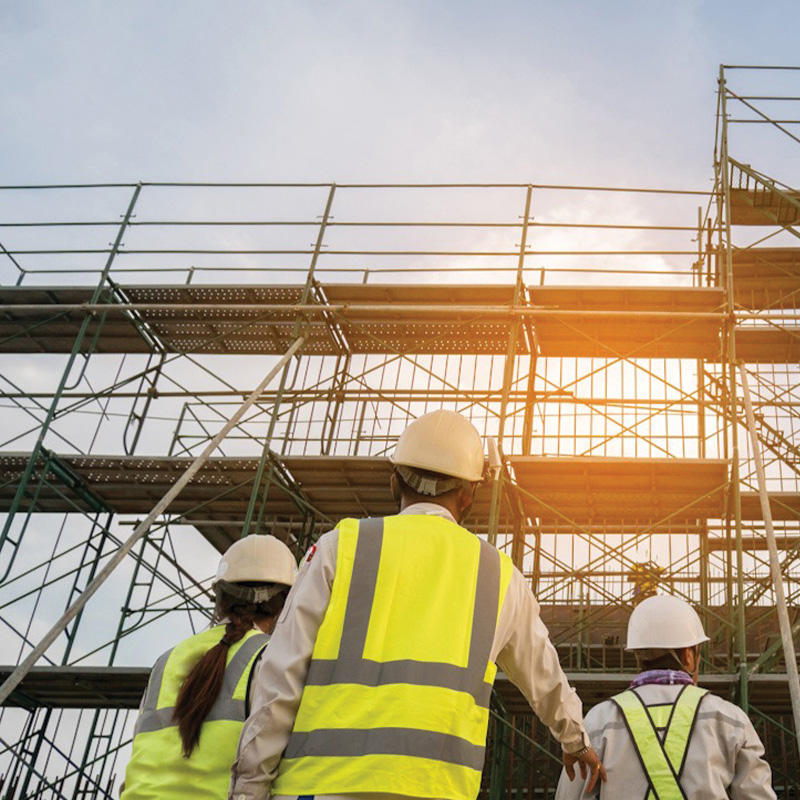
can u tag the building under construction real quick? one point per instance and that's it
(635, 352)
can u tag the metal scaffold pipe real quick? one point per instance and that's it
(394, 308)
(777, 578)
(141, 530)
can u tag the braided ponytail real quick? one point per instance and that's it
(202, 686)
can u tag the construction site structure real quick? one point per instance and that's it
(626, 347)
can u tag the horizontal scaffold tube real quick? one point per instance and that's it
(398, 309)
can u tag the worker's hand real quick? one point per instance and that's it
(589, 764)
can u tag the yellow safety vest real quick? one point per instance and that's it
(397, 694)
(662, 760)
(157, 769)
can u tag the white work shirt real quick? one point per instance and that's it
(724, 758)
(521, 649)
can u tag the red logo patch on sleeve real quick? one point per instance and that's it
(310, 553)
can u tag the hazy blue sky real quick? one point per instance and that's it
(618, 92)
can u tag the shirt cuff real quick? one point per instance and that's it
(248, 790)
(573, 745)
(245, 794)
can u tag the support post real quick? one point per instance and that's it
(725, 216)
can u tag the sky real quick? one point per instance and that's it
(620, 92)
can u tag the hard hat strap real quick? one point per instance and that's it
(654, 653)
(250, 594)
(427, 484)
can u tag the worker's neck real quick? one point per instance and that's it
(449, 503)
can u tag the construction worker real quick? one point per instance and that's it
(380, 673)
(645, 577)
(664, 738)
(197, 697)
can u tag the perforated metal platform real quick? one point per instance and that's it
(586, 489)
(768, 345)
(226, 319)
(588, 329)
(582, 489)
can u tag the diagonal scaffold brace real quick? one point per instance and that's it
(784, 623)
(141, 530)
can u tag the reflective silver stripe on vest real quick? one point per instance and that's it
(351, 743)
(352, 667)
(150, 701)
(225, 707)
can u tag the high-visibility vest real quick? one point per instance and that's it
(662, 759)
(398, 688)
(157, 769)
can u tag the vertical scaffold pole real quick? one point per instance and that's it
(774, 564)
(262, 462)
(724, 166)
(508, 375)
(140, 531)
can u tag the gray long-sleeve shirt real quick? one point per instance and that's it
(521, 648)
(724, 759)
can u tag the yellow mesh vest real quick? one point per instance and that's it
(157, 769)
(397, 694)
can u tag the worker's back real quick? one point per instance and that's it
(400, 678)
(158, 769)
(723, 758)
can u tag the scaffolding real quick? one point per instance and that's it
(603, 335)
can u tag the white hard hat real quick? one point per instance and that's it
(257, 559)
(442, 441)
(664, 622)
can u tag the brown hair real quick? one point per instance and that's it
(670, 659)
(203, 684)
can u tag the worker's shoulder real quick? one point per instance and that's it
(719, 708)
(323, 549)
(328, 539)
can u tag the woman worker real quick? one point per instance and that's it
(197, 697)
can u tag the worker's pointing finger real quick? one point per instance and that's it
(598, 770)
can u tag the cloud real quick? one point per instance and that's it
(355, 90)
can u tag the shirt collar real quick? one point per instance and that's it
(431, 509)
(661, 676)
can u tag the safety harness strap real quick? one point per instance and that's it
(662, 761)
(679, 730)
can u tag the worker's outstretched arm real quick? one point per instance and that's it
(279, 682)
(753, 778)
(530, 661)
